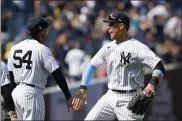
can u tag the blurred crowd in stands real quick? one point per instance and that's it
(78, 32)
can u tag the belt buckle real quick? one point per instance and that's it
(128, 91)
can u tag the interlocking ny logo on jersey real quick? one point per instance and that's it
(125, 59)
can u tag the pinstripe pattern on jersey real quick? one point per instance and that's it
(4, 81)
(31, 65)
(121, 74)
(113, 105)
(103, 110)
(42, 65)
(2, 114)
(4, 74)
(29, 102)
(125, 70)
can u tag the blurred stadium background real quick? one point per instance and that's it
(78, 33)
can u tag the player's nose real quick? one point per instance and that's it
(108, 27)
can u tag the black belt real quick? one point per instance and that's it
(124, 91)
(31, 85)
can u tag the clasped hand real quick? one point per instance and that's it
(75, 103)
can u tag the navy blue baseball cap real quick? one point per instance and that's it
(37, 24)
(118, 17)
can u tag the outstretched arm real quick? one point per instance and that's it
(87, 76)
(97, 61)
(61, 81)
(81, 95)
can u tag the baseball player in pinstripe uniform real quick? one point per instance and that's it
(6, 93)
(126, 59)
(29, 64)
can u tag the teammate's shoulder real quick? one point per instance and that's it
(44, 48)
(18, 44)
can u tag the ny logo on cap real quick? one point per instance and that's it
(115, 18)
(112, 16)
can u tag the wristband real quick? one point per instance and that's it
(154, 80)
(83, 87)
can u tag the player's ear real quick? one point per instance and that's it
(121, 26)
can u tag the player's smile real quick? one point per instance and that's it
(112, 29)
(111, 34)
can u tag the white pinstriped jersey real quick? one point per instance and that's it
(4, 74)
(4, 81)
(125, 63)
(31, 63)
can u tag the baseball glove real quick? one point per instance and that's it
(140, 102)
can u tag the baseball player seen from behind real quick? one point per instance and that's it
(126, 59)
(29, 64)
(6, 93)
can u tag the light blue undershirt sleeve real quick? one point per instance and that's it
(88, 74)
(157, 71)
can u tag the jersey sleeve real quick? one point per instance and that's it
(4, 74)
(48, 60)
(147, 56)
(99, 59)
(10, 62)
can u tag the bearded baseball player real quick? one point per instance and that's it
(29, 64)
(126, 59)
(6, 94)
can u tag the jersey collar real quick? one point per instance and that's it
(123, 42)
(32, 40)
